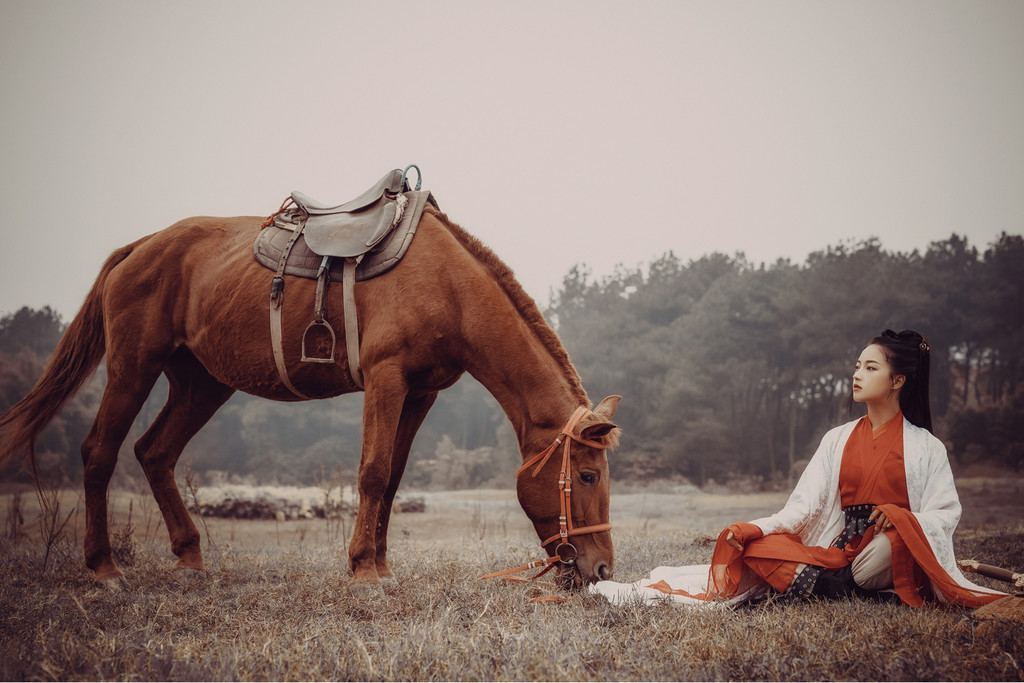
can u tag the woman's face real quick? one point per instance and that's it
(872, 379)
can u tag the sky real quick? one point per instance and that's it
(559, 133)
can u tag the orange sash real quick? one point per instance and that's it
(913, 561)
(772, 558)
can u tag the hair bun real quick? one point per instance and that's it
(911, 336)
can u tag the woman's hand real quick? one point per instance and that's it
(747, 532)
(882, 523)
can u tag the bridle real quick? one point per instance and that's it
(565, 552)
(565, 526)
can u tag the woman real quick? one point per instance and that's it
(873, 513)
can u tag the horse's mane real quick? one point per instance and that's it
(522, 301)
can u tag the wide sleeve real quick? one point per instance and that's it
(935, 512)
(813, 511)
(934, 500)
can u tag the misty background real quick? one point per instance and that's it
(716, 204)
(730, 373)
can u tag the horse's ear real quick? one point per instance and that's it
(600, 425)
(598, 430)
(607, 407)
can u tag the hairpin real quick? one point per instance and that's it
(924, 345)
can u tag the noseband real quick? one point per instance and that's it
(565, 552)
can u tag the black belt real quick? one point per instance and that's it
(808, 581)
(857, 523)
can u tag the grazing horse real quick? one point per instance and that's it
(192, 303)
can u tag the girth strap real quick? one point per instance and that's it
(276, 303)
(348, 283)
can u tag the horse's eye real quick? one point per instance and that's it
(588, 478)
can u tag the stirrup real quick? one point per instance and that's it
(329, 358)
(318, 315)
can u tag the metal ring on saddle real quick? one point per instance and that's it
(419, 177)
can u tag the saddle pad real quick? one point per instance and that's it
(304, 262)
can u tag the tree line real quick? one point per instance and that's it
(733, 370)
(730, 371)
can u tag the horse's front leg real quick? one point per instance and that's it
(413, 412)
(382, 410)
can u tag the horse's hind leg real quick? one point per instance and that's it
(413, 413)
(122, 399)
(194, 396)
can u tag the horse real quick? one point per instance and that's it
(192, 303)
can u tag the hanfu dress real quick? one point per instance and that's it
(823, 531)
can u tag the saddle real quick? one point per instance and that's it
(362, 227)
(355, 227)
(354, 241)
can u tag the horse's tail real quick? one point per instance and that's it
(75, 360)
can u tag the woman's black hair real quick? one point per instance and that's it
(909, 354)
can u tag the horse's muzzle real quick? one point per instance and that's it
(573, 576)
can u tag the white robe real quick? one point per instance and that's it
(814, 511)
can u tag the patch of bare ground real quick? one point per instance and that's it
(273, 605)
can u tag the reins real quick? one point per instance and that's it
(565, 553)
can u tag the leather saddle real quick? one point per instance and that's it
(357, 226)
(364, 226)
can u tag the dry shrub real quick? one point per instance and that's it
(53, 523)
(14, 524)
(122, 539)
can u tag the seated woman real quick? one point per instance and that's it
(873, 513)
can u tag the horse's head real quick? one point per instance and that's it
(570, 512)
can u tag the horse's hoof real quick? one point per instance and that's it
(365, 591)
(191, 561)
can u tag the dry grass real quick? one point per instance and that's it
(273, 606)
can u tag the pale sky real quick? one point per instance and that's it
(557, 132)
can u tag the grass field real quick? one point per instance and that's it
(273, 603)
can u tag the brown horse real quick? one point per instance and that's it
(191, 302)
